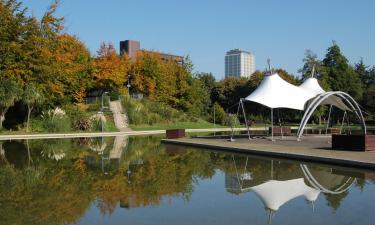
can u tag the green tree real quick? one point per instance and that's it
(370, 98)
(366, 76)
(9, 94)
(220, 115)
(339, 75)
(31, 97)
(209, 84)
(231, 89)
(310, 61)
(363, 73)
(17, 35)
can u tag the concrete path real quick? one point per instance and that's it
(100, 134)
(120, 118)
(311, 148)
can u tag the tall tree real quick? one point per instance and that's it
(209, 84)
(310, 61)
(9, 94)
(17, 34)
(339, 75)
(370, 98)
(362, 70)
(110, 69)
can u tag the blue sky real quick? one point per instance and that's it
(206, 29)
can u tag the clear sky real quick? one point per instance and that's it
(205, 29)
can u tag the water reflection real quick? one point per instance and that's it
(132, 173)
(276, 182)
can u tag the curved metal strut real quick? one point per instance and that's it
(320, 98)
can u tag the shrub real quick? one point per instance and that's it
(220, 115)
(55, 120)
(96, 121)
(149, 112)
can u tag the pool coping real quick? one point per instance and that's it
(339, 161)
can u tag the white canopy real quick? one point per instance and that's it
(274, 92)
(311, 84)
(275, 193)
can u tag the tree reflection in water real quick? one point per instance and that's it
(55, 181)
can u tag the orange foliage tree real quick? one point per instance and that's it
(68, 75)
(110, 70)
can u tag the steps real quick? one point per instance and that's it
(120, 118)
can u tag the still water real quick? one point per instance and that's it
(138, 180)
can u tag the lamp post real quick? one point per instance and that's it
(102, 108)
(214, 120)
(128, 85)
(106, 92)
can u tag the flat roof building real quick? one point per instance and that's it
(132, 47)
(239, 63)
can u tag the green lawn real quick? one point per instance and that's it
(205, 125)
(178, 125)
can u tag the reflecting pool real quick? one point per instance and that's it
(138, 180)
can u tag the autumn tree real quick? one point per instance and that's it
(110, 70)
(70, 70)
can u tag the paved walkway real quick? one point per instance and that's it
(120, 118)
(100, 134)
(311, 148)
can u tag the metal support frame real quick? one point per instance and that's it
(316, 185)
(320, 98)
(230, 121)
(329, 117)
(342, 122)
(214, 120)
(272, 125)
(240, 105)
(280, 125)
(348, 122)
(244, 115)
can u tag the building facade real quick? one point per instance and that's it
(239, 63)
(132, 47)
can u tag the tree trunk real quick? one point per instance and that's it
(29, 109)
(2, 116)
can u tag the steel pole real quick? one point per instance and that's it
(272, 124)
(329, 117)
(214, 120)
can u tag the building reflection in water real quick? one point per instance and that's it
(283, 182)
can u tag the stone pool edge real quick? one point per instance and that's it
(281, 155)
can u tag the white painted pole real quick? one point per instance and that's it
(342, 122)
(329, 117)
(214, 120)
(244, 115)
(272, 124)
